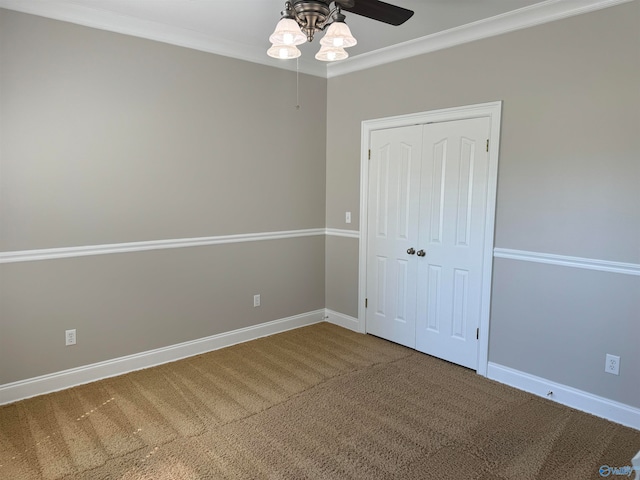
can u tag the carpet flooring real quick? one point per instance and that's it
(319, 402)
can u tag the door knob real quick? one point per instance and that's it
(421, 253)
(411, 251)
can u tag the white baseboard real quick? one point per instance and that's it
(569, 396)
(342, 320)
(12, 392)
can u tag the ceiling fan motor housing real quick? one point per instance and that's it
(312, 15)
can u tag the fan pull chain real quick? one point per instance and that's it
(297, 85)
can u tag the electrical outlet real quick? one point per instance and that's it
(256, 300)
(347, 217)
(70, 337)
(612, 364)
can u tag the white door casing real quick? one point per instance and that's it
(491, 111)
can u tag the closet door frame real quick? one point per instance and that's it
(493, 111)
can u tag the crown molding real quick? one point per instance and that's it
(531, 16)
(85, 15)
(88, 16)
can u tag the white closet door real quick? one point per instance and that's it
(394, 192)
(454, 183)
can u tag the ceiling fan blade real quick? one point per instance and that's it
(377, 10)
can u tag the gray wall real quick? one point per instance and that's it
(568, 184)
(108, 138)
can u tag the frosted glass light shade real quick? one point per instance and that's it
(338, 35)
(284, 52)
(287, 32)
(331, 54)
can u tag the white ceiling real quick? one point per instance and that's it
(241, 28)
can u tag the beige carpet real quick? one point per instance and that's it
(319, 402)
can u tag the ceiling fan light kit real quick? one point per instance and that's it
(284, 52)
(330, 54)
(287, 32)
(301, 19)
(338, 35)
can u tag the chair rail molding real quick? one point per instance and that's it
(86, 250)
(337, 232)
(568, 261)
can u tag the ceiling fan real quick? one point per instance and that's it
(301, 19)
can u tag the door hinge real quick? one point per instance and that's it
(369, 154)
(366, 302)
(477, 334)
(487, 144)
